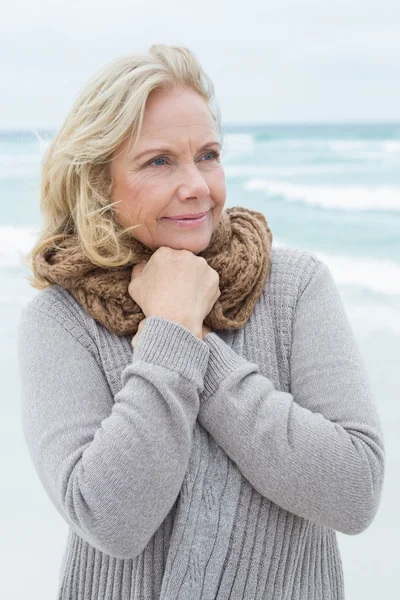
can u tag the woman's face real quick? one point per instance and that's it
(180, 173)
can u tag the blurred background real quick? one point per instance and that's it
(310, 101)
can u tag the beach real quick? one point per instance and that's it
(332, 190)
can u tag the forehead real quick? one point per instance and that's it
(176, 112)
(173, 118)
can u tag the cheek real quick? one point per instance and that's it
(127, 194)
(145, 199)
(132, 190)
(217, 185)
(126, 188)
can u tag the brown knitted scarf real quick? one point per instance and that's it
(239, 250)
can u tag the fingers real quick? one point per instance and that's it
(137, 269)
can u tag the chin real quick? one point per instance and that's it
(194, 246)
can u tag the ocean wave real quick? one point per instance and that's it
(237, 145)
(332, 197)
(290, 170)
(9, 160)
(380, 152)
(339, 145)
(20, 165)
(375, 275)
(14, 242)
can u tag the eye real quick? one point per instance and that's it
(155, 160)
(213, 153)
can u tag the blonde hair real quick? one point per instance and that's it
(76, 185)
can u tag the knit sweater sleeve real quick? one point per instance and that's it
(112, 466)
(318, 451)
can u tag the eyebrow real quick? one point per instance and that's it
(169, 150)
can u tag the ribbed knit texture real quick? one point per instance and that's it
(215, 469)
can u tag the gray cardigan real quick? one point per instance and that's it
(215, 469)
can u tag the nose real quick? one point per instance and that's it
(193, 184)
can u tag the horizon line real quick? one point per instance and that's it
(241, 125)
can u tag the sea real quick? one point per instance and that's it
(333, 189)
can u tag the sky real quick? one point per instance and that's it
(271, 61)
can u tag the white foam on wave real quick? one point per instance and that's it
(340, 197)
(391, 146)
(237, 145)
(13, 242)
(373, 275)
(289, 170)
(17, 163)
(382, 277)
(377, 275)
(365, 149)
(9, 160)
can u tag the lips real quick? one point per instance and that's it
(188, 223)
(188, 216)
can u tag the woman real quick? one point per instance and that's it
(194, 400)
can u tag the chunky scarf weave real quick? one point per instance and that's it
(239, 250)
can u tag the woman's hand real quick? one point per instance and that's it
(176, 285)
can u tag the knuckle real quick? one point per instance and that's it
(161, 250)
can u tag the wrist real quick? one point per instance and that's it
(195, 328)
